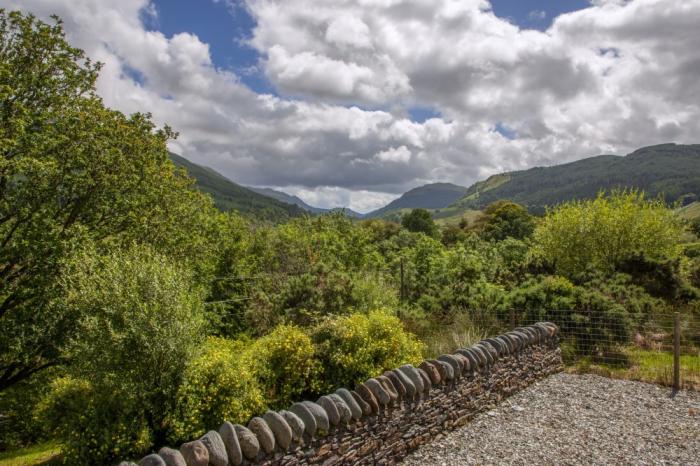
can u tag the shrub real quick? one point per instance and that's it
(284, 365)
(218, 386)
(420, 221)
(354, 348)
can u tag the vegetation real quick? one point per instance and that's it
(134, 314)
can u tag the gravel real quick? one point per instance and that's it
(571, 419)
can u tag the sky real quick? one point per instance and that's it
(351, 103)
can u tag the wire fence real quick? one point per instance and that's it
(619, 345)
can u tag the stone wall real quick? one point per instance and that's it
(385, 417)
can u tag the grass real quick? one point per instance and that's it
(44, 454)
(646, 366)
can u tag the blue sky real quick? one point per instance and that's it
(348, 103)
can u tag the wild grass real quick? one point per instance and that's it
(44, 454)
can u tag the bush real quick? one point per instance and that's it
(141, 321)
(353, 348)
(218, 386)
(284, 365)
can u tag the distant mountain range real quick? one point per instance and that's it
(669, 169)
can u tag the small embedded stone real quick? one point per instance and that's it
(323, 425)
(262, 431)
(306, 416)
(172, 457)
(355, 408)
(280, 429)
(195, 453)
(230, 439)
(331, 411)
(217, 449)
(152, 460)
(295, 423)
(250, 446)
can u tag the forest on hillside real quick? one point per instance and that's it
(135, 314)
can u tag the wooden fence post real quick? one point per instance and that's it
(402, 292)
(677, 352)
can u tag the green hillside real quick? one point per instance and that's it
(228, 195)
(430, 196)
(671, 169)
(295, 200)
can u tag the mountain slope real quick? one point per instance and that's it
(429, 196)
(228, 195)
(289, 199)
(671, 169)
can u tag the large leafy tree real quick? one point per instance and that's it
(71, 171)
(419, 221)
(505, 219)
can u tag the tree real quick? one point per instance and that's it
(695, 226)
(71, 172)
(603, 232)
(420, 221)
(504, 219)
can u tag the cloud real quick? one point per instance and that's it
(537, 15)
(605, 79)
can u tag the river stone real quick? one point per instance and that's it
(172, 457)
(295, 424)
(230, 439)
(427, 384)
(355, 408)
(542, 331)
(378, 391)
(514, 341)
(495, 344)
(464, 362)
(195, 453)
(366, 394)
(217, 449)
(432, 372)
(448, 369)
(438, 365)
(399, 387)
(307, 418)
(414, 376)
(152, 460)
(279, 427)
(524, 337)
(250, 446)
(342, 407)
(493, 352)
(530, 334)
(323, 425)
(364, 406)
(480, 355)
(331, 411)
(411, 391)
(388, 387)
(266, 439)
(456, 368)
(505, 343)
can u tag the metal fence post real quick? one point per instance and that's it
(677, 352)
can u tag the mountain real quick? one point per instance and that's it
(669, 169)
(289, 199)
(228, 195)
(429, 196)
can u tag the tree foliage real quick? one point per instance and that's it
(419, 221)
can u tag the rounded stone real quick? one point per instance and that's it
(523, 336)
(378, 391)
(306, 416)
(342, 407)
(396, 382)
(323, 425)
(355, 408)
(542, 330)
(250, 446)
(262, 431)
(280, 429)
(456, 367)
(331, 411)
(506, 343)
(195, 453)
(432, 372)
(152, 460)
(172, 457)
(514, 340)
(495, 344)
(427, 383)
(366, 394)
(448, 369)
(295, 424)
(414, 376)
(464, 362)
(217, 449)
(530, 334)
(480, 355)
(440, 367)
(366, 408)
(411, 391)
(388, 387)
(490, 351)
(230, 439)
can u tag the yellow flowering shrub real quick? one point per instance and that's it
(284, 364)
(355, 347)
(218, 386)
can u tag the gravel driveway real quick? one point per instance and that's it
(577, 420)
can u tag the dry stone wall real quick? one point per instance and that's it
(385, 417)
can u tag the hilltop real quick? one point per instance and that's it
(429, 196)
